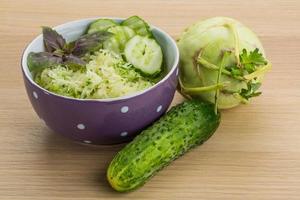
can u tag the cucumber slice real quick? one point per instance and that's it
(144, 54)
(138, 25)
(101, 25)
(117, 42)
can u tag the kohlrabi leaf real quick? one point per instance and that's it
(52, 40)
(41, 60)
(90, 42)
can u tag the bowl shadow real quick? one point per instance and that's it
(70, 162)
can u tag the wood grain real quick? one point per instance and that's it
(255, 154)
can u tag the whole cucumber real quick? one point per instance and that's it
(183, 127)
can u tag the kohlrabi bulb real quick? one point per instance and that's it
(221, 61)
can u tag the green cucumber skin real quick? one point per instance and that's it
(139, 25)
(182, 128)
(95, 26)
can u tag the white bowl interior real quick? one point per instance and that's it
(72, 30)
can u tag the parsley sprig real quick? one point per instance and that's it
(252, 60)
(251, 90)
(249, 63)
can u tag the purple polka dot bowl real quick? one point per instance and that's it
(103, 121)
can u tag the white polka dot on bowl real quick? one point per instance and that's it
(35, 95)
(87, 141)
(81, 126)
(158, 109)
(124, 109)
(123, 134)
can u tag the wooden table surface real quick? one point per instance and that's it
(255, 153)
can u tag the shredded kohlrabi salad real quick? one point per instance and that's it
(106, 75)
(110, 60)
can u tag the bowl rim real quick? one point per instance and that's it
(125, 97)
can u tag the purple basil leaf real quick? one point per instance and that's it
(52, 40)
(41, 60)
(90, 42)
(58, 53)
(73, 60)
(69, 47)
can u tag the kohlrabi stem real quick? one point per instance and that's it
(242, 99)
(209, 65)
(196, 90)
(260, 70)
(225, 55)
(202, 89)
(181, 89)
(236, 43)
